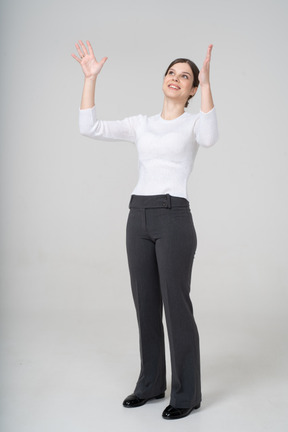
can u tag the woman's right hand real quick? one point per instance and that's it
(90, 67)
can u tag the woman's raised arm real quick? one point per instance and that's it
(91, 69)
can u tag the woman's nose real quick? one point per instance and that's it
(175, 78)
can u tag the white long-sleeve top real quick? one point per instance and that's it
(166, 148)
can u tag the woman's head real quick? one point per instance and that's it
(186, 73)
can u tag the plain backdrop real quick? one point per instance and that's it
(64, 198)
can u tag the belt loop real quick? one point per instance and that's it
(168, 197)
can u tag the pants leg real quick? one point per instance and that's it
(175, 251)
(148, 303)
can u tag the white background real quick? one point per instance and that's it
(64, 198)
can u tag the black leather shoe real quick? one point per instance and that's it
(171, 413)
(134, 401)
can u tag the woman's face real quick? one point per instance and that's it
(178, 82)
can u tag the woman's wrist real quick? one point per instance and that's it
(205, 86)
(90, 79)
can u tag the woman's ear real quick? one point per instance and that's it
(193, 91)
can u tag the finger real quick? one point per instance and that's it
(207, 60)
(80, 52)
(209, 51)
(83, 47)
(76, 58)
(90, 49)
(104, 59)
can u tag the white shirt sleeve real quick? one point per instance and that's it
(206, 128)
(90, 126)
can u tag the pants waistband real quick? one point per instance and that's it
(157, 201)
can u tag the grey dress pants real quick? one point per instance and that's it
(161, 243)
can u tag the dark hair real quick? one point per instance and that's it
(194, 69)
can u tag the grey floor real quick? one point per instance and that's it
(69, 371)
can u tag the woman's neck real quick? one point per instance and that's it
(171, 110)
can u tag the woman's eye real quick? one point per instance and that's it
(171, 72)
(185, 76)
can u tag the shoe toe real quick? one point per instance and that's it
(132, 401)
(171, 413)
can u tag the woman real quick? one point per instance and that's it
(161, 239)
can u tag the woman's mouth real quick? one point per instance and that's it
(174, 87)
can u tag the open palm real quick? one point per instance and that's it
(204, 75)
(91, 68)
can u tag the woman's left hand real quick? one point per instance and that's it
(204, 75)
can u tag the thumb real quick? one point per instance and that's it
(103, 60)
